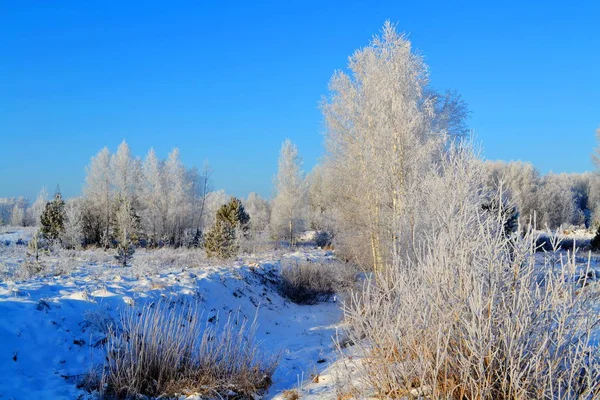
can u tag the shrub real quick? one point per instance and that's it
(125, 253)
(311, 282)
(164, 350)
(475, 314)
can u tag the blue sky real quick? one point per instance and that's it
(229, 81)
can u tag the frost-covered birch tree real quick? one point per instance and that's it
(259, 210)
(385, 129)
(289, 213)
(99, 198)
(36, 209)
(72, 236)
(126, 173)
(178, 196)
(153, 198)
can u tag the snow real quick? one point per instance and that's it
(51, 327)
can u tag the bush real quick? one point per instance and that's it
(312, 282)
(476, 315)
(164, 350)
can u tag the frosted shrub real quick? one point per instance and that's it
(469, 312)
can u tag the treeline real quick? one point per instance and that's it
(172, 205)
(551, 200)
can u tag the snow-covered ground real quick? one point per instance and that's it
(51, 327)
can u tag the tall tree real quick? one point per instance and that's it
(289, 211)
(98, 194)
(178, 198)
(153, 198)
(259, 210)
(126, 173)
(385, 129)
(127, 228)
(36, 209)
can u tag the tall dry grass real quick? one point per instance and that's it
(166, 348)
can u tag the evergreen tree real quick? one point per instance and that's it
(235, 214)
(220, 240)
(52, 219)
(231, 220)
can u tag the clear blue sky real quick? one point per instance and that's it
(229, 81)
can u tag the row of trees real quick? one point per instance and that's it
(20, 212)
(166, 199)
(551, 200)
(169, 204)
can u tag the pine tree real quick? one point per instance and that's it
(231, 219)
(52, 219)
(220, 241)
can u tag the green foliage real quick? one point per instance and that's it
(221, 240)
(53, 218)
(124, 253)
(234, 214)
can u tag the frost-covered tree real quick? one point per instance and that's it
(99, 199)
(153, 199)
(214, 201)
(126, 173)
(289, 213)
(259, 210)
(386, 128)
(72, 236)
(320, 198)
(178, 198)
(36, 209)
(127, 229)
(521, 182)
(18, 215)
(169, 198)
(557, 205)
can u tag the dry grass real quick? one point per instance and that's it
(311, 282)
(290, 394)
(164, 349)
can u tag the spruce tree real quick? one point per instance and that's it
(52, 219)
